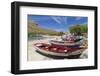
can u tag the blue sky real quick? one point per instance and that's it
(58, 23)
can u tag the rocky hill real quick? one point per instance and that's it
(34, 28)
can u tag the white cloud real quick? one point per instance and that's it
(61, 20)
(56, 19)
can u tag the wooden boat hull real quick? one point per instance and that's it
(65, 43)
(57, 55)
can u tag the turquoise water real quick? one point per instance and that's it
(36, 38)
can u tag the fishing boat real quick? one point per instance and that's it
(58, 51)
(65, 43)
(71, 38)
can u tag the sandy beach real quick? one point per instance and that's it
(34, 56)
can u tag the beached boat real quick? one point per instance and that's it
(58, 51)
(65, 43)
(71, 38)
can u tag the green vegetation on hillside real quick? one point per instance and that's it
(79, 29)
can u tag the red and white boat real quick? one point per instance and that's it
(58, 51)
